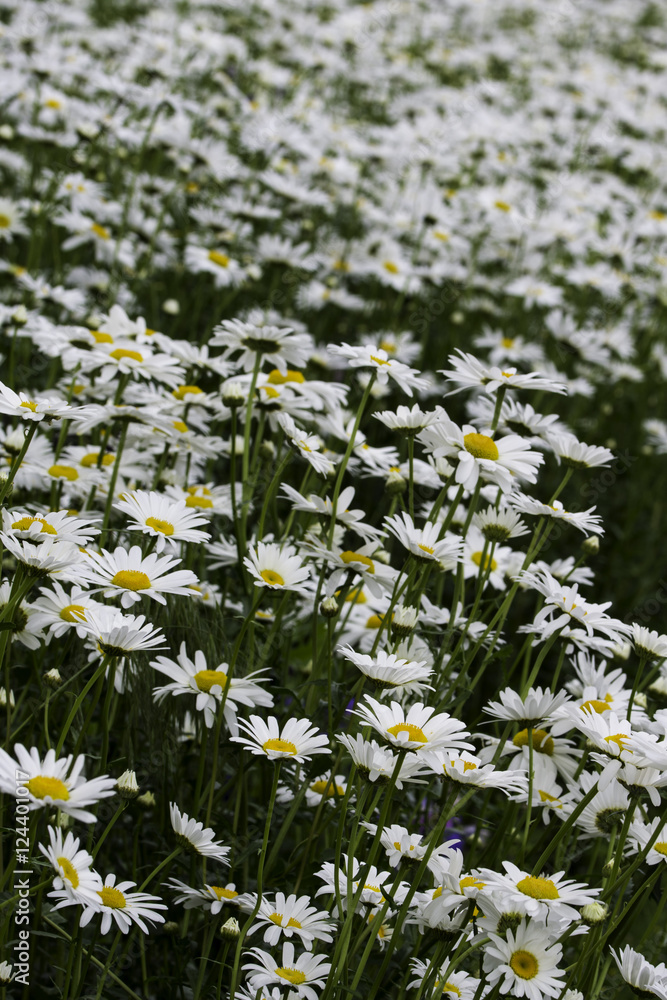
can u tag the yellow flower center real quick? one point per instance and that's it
(223, 893)
(277, 378)
(619, 739)
(5, 222)
(546, 797)
(206, 679)
(477, 559)
(450, 988)
(294, 976)
(439, 235)
(164, 527)
(331, 789)
(69, 871)
(542, 742)
(131, 579)
(92, 458)
(185, 390)
(503, 206)
(181, 426)
(390, 266)
(101, 338)
(481, 446)
(100, 231)
(507, 341)
(524, 965)
(470, 882)
(23, 524)
(538, 888)
(113, 898)
(426, 548)
(659, 216)
(277, 918)
(43, 787)
(122, 352)
(341, 265)
(352, 557)
(73, 613)
(195, 501)
(28, 404)
(380, 361)
(63, 472)
(595, 705)
(660, 847)
(280, 746)
(221, 259)
(415, 734)
(272, 578)
(374, 621)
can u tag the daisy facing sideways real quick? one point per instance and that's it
(195, 837)
(74, 880)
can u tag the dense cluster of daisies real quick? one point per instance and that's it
(311, 319)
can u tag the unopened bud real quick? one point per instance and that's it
(171, 306)
(395, 483)
(403, 621)
(591, 545)
(20, 316)
(230, 929)
(171, 927)
(5, 973)
(233, 395)
(329, 607)
(267, 450)
(3, 698)
(594, 913)
(52, 678)
(147, 800)
(127, 786)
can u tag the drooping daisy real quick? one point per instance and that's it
(564, 606)
(298, 975)
(389, 672)
(535, 706)
(297, 740)
(133, 576)
(499, 525)
(195, 837)
(50, 557)
(377, 764)
(124, 908)
(369, 891)
(570, 451)
(34, 410)
(193, 676)
(648, 643)
(281, 346)
(114, 633)
(585, 520)
(58, 524)
(277, 567)
(642, 977)
(291, 915)
(52, 782)
(469, 372)
(465, 769)
(211, 898)
(309, 446)
(417, 729)
(163, 519)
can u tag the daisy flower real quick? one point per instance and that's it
(423, 543)
(211, 898)
(19, 405)
(371, 889)
(525, 962)
(53, 782)
(11, 220)
(469, 372)
(48, 558)
(499, 525)
(309, 446)
(585, 521)
(418, 729)
(288, 916)
(642, 977)
(297, 740)
(195, 837)
(377, 764)
(195, 677)
(58, 524)
(536, 706)
(164, 519)
(408, 421)
(133, 576)
(60, 611)
(388, 671)
(277, 567)
(298, 975)
(465, 769)
(570, 451)
(114, 633)
(384, 367)
(326, 788)
(456, 986)
(323, 507)
(281, 346)
(564, 606)
(124, 908)
(649, 643)
(540, 896)
(74, 881)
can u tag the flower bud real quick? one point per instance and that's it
(147, 800)
(230, 929)
(5, 973)
(395, 483)
(591, 545)
(267, 450)
(329, 607)
(127, 786)
(403, 621)
(171, 927)
(20, 316)
(3, 698)
(594, 913)
(171, 306)
(52, 678)
(233, 394)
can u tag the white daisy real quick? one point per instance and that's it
(163, 519)
(52, 782)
